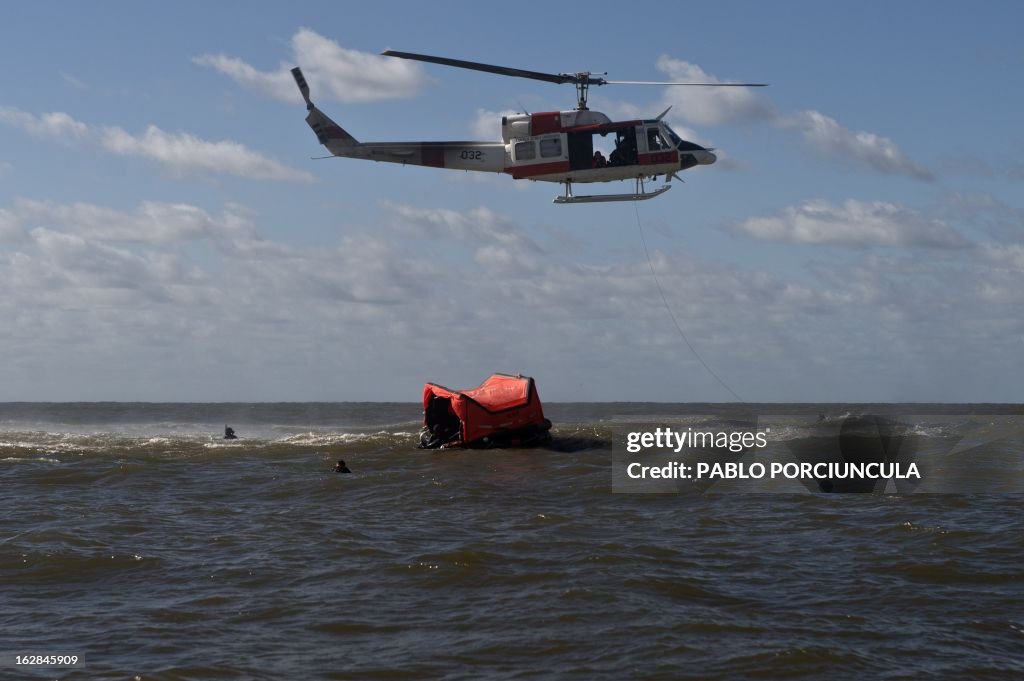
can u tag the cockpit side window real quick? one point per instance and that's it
(655, 142)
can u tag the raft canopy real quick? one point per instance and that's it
(504, 409)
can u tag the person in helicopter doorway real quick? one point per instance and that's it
(599, 161)
(619, 157)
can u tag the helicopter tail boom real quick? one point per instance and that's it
(482, 156)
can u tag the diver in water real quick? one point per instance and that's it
(229, 433)
(341, 467)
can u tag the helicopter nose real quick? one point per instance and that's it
(704, 157)
(696, 157)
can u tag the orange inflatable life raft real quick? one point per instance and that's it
(503, 411)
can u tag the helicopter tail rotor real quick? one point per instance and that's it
(300, 80)
(327, 131)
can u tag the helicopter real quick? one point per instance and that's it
(550, 146)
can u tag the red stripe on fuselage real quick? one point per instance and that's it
(333, 132)
(432, 155)
(658, 158)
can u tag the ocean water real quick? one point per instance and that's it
(135, 538)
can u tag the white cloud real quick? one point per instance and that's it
(827, 136)
(717, 106)
(55, 125)
(1010, 256)
(854, 223)
(500, 243)
(151, 301)
(332, 71)
(110, 271)
(1002, 280)
(152, 222)
(709, 105)
(278, 84)
(10, 225)
(183, 153)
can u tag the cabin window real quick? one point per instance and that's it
(551, 147)
(526, 151)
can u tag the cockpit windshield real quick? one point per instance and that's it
(673, 137)
(680, 144)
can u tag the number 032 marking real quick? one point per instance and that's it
(471, 155)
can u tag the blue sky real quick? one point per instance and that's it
(165, 234)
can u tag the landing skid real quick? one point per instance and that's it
(638, 195)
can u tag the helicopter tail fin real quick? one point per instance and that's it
(329, 133)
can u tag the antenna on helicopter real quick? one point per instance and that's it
(581, 79)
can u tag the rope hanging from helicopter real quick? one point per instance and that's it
(672, 315)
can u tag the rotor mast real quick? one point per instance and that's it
(583, 80)
(582, 85)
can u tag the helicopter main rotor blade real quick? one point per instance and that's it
(547, 77)
(581, 79)
(490, 68)
(660, 82)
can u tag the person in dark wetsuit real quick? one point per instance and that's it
(616, 158)
(229, 433)
(624, 153)
(341, 467)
